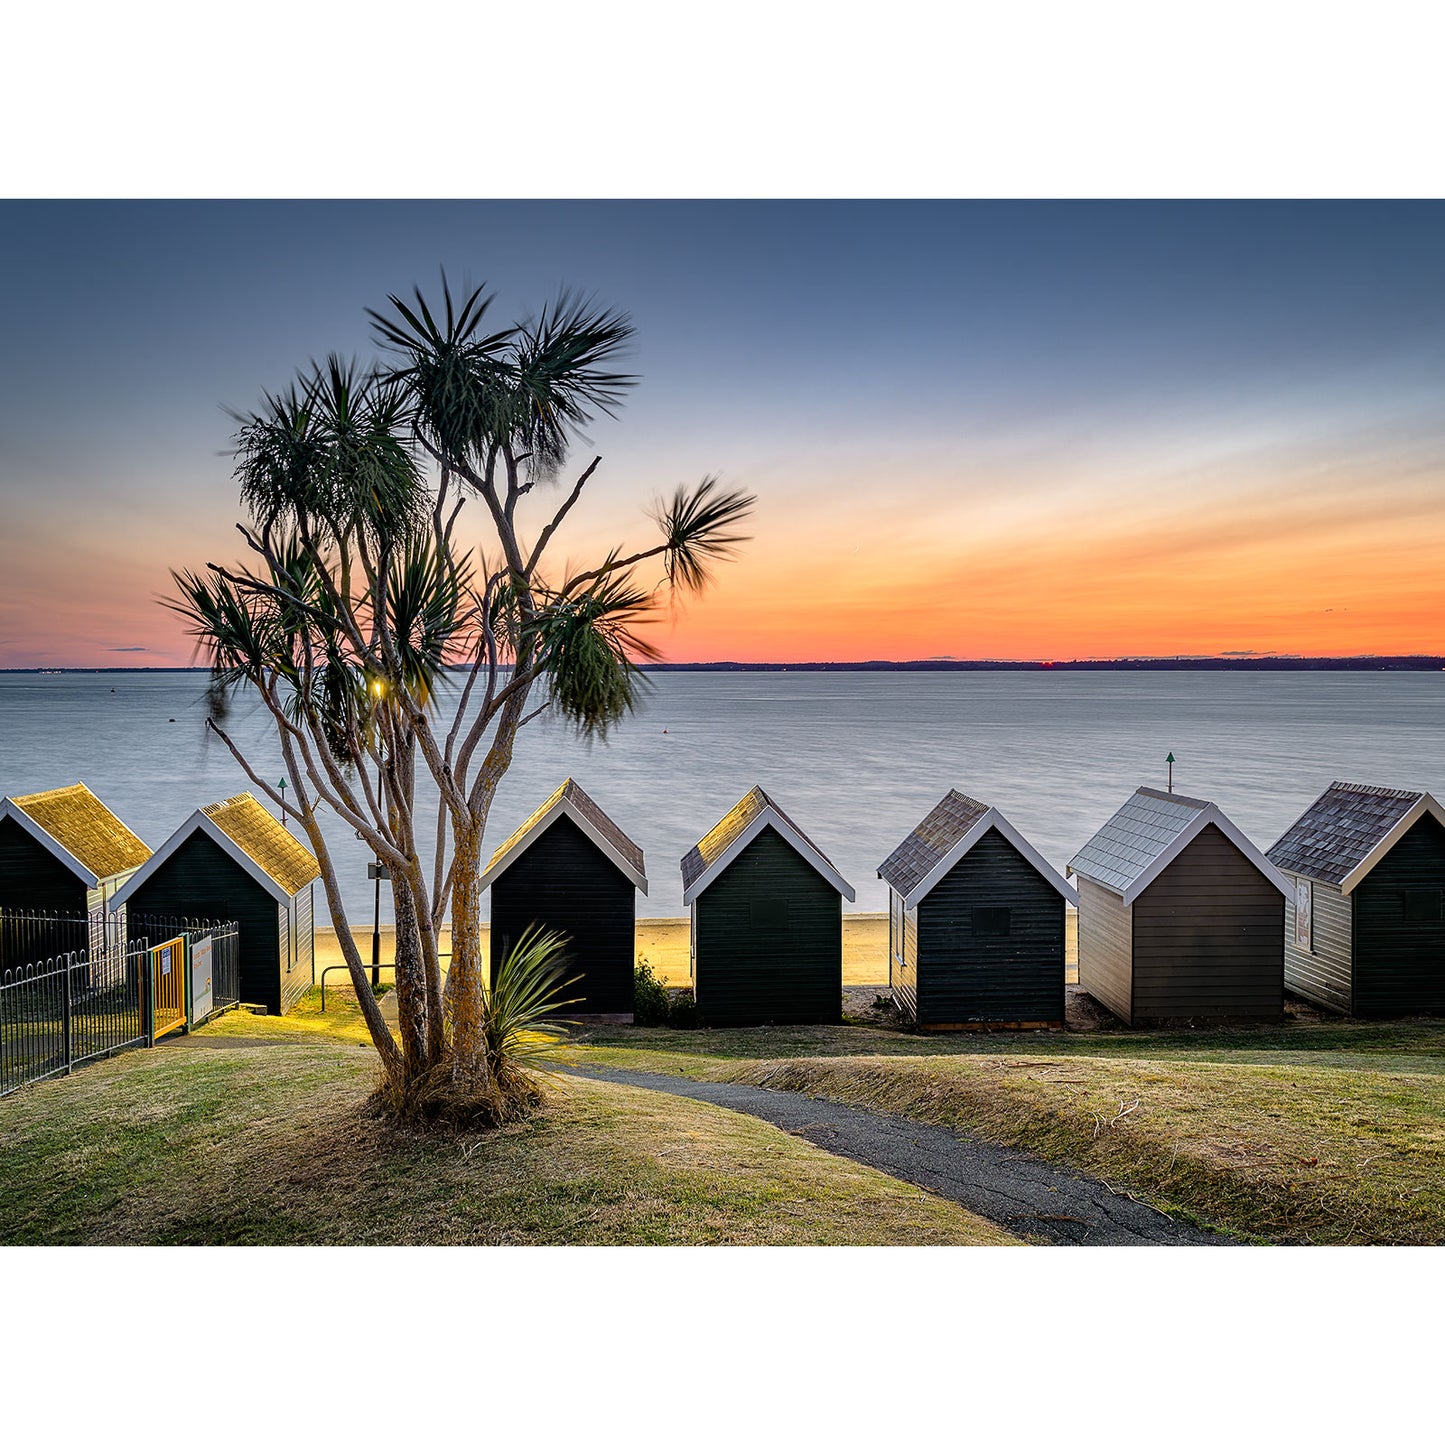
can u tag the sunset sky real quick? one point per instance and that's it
(976, 430)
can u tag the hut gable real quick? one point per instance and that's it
(754, 812)
(248, 834)
(1148, 833)
(266, 842)
(570, 801)
(75, 826)
(1348, 830)
(955, 826)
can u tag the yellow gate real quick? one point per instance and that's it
(168, 986)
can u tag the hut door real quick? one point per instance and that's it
(168, 987)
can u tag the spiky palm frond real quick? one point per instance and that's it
(331, 452)
(455, 373)
(373, 478)
(586, 645)
(429, 612)
(281, 458)
(697, 526)
(520, 1023)
(561, 376)
(238, 637)
(528, 388)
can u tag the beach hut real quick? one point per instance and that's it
(569, 867)
(62, 852)
(1364, 925)
(1180, 915)
(975, 922)
(234, 861)
(767, 921)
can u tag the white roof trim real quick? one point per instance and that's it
(1425, 804)
(1191, 830)
(199, 821)
(9, 809)
(565, 807)
(991, 819)
(769, 818)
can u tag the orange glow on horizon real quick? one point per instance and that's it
(1001, 573)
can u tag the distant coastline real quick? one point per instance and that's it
(1411, 662)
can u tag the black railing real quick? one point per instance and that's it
(84, 1003)
(66, 1011)
(225, 965)
(30, 935)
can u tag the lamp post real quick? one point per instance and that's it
(376, 872)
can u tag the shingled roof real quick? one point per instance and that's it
(753, 812)
(1140, 841)
(265, 841)
(571, 801)
(83, 827)
(931, 851)
(1348, 829)
(247, 832)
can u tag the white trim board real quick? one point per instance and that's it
(992, 819)
(10, 809)
(1357, 875)
(238, 855)
(1186, 835)
(565, 807)
(769, 818)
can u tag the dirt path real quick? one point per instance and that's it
(1025, 1195)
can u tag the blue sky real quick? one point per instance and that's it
(915, 390)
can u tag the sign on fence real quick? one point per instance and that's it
(201, 1001)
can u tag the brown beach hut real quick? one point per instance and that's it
(1181, 917)
(569, 867)
(235, 861)
(63, 853)
(767, 920)
(1365, 916)
(975, 922)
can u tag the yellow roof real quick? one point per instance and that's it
(265, 841)
(85, 828)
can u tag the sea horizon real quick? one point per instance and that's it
(855, 757)
(1181, 662)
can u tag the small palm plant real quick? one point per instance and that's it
(521, 1027)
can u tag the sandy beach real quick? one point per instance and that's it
(662, 942)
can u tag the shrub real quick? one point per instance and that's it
(649, 1006)
(682, 1010)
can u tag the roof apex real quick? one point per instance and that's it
(715, 851)
(571, 800)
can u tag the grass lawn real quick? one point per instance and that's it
(1325, 1133)
(305, 1023)
(181, 1145)
(1320, 1131)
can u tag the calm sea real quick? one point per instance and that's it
(855, 758)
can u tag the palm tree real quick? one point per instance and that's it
(367, 593)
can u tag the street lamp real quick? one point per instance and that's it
(376, 872)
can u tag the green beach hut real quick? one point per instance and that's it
(766, 911)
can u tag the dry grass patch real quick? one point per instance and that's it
(272, 1146)
(1314, 1155)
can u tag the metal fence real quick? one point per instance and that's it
(65, 1011)
(225, 949)
(30, 935)
(59, 1012)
